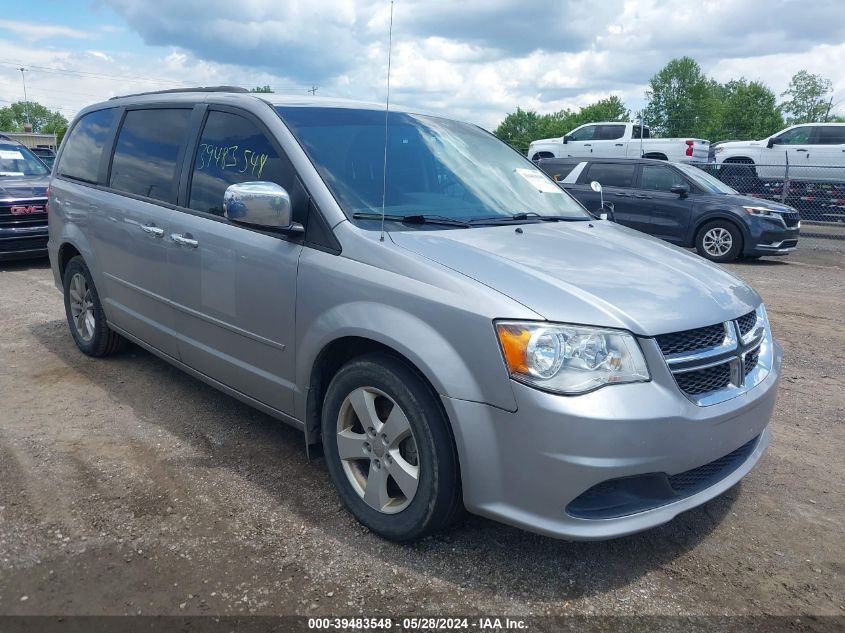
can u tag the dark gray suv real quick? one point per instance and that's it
(23, 202)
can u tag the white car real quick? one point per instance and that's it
(815, 153)
(611, 139)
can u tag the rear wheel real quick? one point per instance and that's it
(84, 312)
(719, 241)
(388, 449)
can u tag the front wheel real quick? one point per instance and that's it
(719, 241)
(388, 449)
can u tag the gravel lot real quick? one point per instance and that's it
(128, 487)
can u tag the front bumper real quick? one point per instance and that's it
(19, 242)
(525, 467)
(769, 237)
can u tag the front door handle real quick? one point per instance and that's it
(184, 240)
(152, 229)
(800, 150)
(622, 145)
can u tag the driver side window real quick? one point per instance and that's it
(584, 134)
(796, 136)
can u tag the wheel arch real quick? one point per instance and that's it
(723, 216)
(656, 156)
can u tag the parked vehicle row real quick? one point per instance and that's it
(614, 139)
(682, 205)
(452, 328)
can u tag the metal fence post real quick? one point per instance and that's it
(785, 186)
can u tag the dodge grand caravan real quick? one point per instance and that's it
(454, 331)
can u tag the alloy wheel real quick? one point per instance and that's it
(82, 307)
(378, 450)
(717, 241)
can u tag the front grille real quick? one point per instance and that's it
(7, 218)
(791, 219)
(751, 359)
(628, 495)
(789, 243)
(692, 340)
(746, 323)
(705, 380)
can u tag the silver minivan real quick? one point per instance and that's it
(436, 315)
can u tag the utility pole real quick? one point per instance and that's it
(25, 100)
(312, 90)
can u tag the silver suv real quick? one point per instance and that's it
(454, 331)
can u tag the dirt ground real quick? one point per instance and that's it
(127, 487)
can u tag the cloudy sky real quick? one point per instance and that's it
(471, 59)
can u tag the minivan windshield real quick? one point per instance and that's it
(436, 168)
(704, 180)
(17, 160)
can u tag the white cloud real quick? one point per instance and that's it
(34, 31)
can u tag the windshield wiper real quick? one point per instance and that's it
(524, 216)
(414, 218)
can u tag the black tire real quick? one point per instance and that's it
(437, 501)
(103, 340)
(704, 245)
(742, 176)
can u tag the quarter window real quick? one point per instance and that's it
(831, 135)
(659, 178)
(147, 153)
(84, 146)
(233, 150)
(611, 174)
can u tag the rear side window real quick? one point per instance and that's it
(612, 174)
(84, 146)
(831, 135)
(147, 153)
(611, 132)
(233, 150)
(635, 132)
(659, 178)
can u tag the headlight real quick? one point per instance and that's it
(760, 211)
(719, 149)
(570, 359)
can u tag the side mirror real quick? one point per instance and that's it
(566, 138)
(595, 186)
(262, 204)
(681, 190)
(772, 142)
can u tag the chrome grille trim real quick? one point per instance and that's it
(736, 349)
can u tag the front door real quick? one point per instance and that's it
(234, 288)
(670, 212)
(793, 146)
(580, 143)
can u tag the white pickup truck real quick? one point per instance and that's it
(815, 152)
(619, 140)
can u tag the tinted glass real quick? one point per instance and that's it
(17, 160)
(558, 171)
(584, 134)
(796, 136)
(703, 180)
(84, 146)
(434, 166)
(612, 174)
(611, 132)
(147, 151)
(232, 150)
(635, 132)
(831, 135)
(659, 178)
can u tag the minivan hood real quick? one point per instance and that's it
(592, 273)
(22, 187)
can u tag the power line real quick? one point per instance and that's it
(84, 73)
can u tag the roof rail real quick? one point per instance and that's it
(176, 90)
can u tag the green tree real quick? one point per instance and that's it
(43, 120)
(809, 98)
(749, 111)
(681, 100)
(519, 128)
(263, 89)
(609, 109)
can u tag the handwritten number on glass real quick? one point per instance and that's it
(231, 157)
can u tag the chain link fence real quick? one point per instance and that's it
(817, 192)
